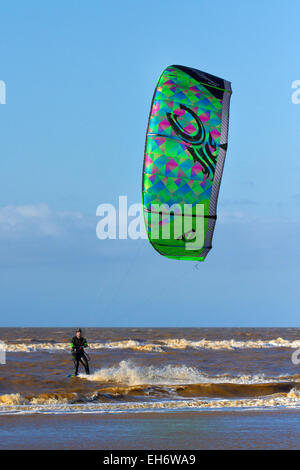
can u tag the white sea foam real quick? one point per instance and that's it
(159, 345)
(52, 347)
(289, 400)
(129, 373)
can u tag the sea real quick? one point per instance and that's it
(156, 374)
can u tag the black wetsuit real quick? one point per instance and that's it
(78, 345)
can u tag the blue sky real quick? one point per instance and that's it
(80, 77)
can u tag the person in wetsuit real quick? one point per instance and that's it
(78, 344)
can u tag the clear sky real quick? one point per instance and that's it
(79, 78)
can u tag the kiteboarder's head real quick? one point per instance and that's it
(78, 332)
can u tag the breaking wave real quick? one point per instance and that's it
(160, 345)
(127, 372)
(128, 387)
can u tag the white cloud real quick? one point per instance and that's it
(35, 219)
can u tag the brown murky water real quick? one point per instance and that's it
(149, 376)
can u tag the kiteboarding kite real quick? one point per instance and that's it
(185, 150)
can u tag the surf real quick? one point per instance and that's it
(159, 346)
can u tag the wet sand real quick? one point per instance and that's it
(239, 429)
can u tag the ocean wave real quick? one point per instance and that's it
(119, 394)
(128, 387)
(128, 379)
(15, 404)
(182, 343)
(129, 373)
(52, 347)
(160, 345)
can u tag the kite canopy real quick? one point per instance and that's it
(185, 150)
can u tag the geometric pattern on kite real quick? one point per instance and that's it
(185, 150)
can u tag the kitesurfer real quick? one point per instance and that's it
(78, 344)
